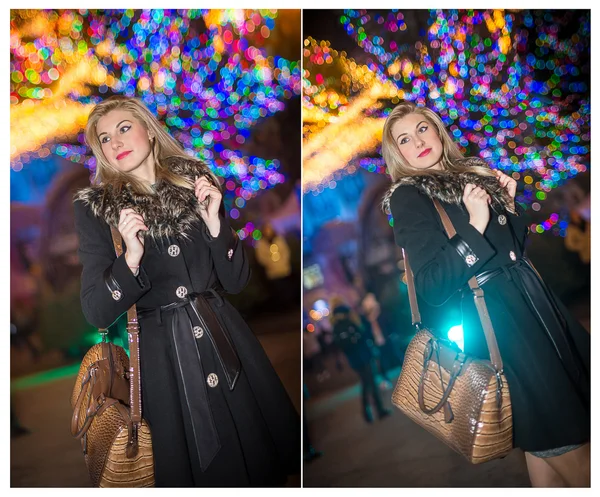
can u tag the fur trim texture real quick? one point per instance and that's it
(169, 212)
(448, 187)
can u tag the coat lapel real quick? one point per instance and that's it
(171, 211)
(448, 187)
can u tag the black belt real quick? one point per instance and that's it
(483, 277)
(196, 309)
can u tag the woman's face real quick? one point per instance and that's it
(124, 140)
(418, 142)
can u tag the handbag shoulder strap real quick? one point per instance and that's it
(133, 330)
(482, 311)
(412, 294)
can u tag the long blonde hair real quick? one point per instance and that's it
(398, 167)
(163, 145)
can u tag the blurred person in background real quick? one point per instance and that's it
(24, 319)
(352, 334)
(369, 307)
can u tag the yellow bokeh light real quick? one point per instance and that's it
(34, 124)
(336, 126)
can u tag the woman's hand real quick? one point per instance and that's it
(130, 224)
(476, 200)
(509, 183)
(209, 198)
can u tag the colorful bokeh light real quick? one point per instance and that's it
(207, 74)
(512, 87)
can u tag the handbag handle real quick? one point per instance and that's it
(85, 394)
(482, 311)
(133, 331)
(457, 366)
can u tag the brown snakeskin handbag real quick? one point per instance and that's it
(463, 401)
(106, 404)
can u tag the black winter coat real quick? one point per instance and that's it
(188, 396)
(355, 341)
(546, 352)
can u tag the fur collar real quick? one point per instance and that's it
(448, 187)
(170, 212)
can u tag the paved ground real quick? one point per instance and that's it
(50, 457)
(394, 452)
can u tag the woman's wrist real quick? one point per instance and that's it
(479, 226)
(132, 262)
(214, 226)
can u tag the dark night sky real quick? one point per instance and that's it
(325, 25)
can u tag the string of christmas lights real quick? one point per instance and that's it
(511, 87)
(205, 73)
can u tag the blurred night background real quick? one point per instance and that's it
(226, 84)
(512, 87)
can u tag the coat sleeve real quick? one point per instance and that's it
(520, 224)
(108, 287)
(229, 257)
(441, 266)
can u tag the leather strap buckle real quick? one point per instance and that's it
(499, 386)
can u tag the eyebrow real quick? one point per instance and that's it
(402, 134)
(105, 133)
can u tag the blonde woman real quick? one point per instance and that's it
(546, 352)
(218, 414)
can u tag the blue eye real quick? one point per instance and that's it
(423, 127)
(122, 130)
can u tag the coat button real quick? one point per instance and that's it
(502, 219)
(174, 250)
(230, 254)
(117, 295)
(181, 292)
(198, 331)
(512, 255)
(212, 380)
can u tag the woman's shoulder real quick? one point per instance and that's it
(89, 199)
(88, 195)
(403, 195)
(88, 206)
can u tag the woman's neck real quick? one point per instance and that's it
(145, 172)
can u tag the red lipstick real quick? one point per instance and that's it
(123, 154)
(425, 152)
